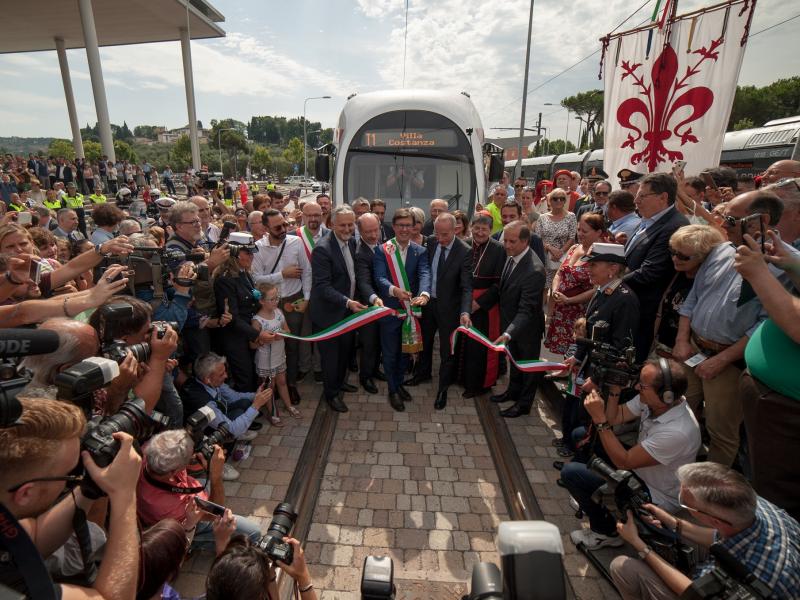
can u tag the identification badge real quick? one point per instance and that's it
(695, 360)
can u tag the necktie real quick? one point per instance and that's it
(439, 269)
(351, 272)
(507, 270)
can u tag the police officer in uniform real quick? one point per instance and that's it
(629, 180)
(97, 197)
(72, 199)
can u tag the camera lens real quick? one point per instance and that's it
(282, 520)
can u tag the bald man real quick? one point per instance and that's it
(782, 169)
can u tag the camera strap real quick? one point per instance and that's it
(26, 556)
(81, 528)
(163, 485)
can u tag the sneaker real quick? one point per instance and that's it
(248, 435)
(229, 473)
(592, 540)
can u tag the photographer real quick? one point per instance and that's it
(669, 437)
(39, 456)
(166, 490)
(758, 534)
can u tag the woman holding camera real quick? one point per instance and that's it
(236, 293)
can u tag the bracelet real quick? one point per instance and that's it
(64, 308)
(602, 426)
(308, 588)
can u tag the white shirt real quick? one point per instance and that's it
(293, 255)
(673, 440)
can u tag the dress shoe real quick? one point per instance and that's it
(441, 400)
(294, 395)
(349, 388)
(417, 380)
(515, 411)
(336, 404)
(404, 394)
(369, 386)
(378, 374)
(396, 403)
(255, 426)
(317, 376)
(500, 398)
(558, 464)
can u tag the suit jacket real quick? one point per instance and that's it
(365, 283)
(66, 176)
(194, 396)
(330, 282)
(536, 243)
(238, 291)
(417, 269)
(387, 232)
(649, 261)
(588, 208)
(454, 282)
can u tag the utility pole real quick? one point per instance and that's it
(538, 134)
(518, 168)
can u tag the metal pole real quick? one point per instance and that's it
(188, 80)
(305, 142)
(518, 167)
(539, 135)
(77, 142)
(96, 76)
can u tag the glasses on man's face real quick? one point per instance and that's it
(731, 222)
(70, 481)
(646, 194)
(596, 193)
(558, 199)
(519, 185)
(697, 510)
(403, 225)
(680, 256)
(272, 299)
(194, 223)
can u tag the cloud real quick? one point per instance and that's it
(379, 8)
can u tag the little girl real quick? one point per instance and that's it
(271, 356)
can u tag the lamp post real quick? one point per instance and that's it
(305, 142)
(219, 145)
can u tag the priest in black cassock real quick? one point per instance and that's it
(478, 366)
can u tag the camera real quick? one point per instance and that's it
(117, 350)
(132, 418)
(728, 580)
(271, 543)
(630, 494)
(610, 365)
(196, 425)
(239, 241)
(77, 383)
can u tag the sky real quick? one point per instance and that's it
(277, 54)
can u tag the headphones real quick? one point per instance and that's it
(667, 395)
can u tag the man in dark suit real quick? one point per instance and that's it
(450, 263)
(519, 294)
(369, 228)
(437, 207)
(333, 293)
(600, 194)
(647, 255)
(63, 171)
(512, 211)
(395, 293)
(378, 208)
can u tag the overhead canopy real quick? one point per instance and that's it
(33, 25)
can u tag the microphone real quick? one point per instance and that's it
(24, 342)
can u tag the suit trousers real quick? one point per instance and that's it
(522, 386)
(309, 353)
(335, 356)
(433, 323)
(772, 421)
(394, 360)
(370, 338)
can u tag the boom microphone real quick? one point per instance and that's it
(24, 342)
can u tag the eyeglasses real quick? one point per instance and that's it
(70, 481)
(558, 199)
(702, 512)
(679, 255)
(403, 225)
(645, 194)
(730, 222)
(600, 193)
(195, 222)
(273, 299)
(519, 185)
(643, 386)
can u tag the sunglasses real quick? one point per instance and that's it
(558, 199)
(601, 193)
(679, 255)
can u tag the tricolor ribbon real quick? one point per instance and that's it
(351, 323)
(410, 331)
(527, 366)
(307, 239)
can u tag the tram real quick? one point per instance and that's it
(407, 147)
(749, 152)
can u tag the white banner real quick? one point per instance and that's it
(670, 102)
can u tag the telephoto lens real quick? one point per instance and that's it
(272, 542)
(132, 418)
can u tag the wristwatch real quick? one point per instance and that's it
(602, 426)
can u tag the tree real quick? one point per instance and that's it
(588, 106)
(294, 152)
(181, 153)
(744, 123)
(124, 133)
(92, 150)
(261, 158)
(146, 131)
(548, 147)
(90, 133)
(777, 100)
(61, 148)
(124, 151)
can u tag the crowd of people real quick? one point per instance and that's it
(692, 279)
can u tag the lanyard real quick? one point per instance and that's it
(26, 556)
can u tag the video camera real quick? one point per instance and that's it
(271, 543)
(728, 580)
(610, 365)
(196, 425)
(630, 494)
(239, 241)
(116, 349)
(151, 267)
(208, 181)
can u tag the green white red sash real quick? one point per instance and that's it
(308, 240)
(410, 332)
(528, 366)
(351, 323)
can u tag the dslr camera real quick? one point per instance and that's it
(610, 365)
(271, 543)
(728, 580)
(196, 425)
(116, 349)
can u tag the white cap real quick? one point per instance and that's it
(606, 252)
(240, 237)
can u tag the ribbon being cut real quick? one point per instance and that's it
(351, 323)
(527, 366)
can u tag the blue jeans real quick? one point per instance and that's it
(581, 484)
(204, 535)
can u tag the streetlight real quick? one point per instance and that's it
(219, 144)
(305, 141)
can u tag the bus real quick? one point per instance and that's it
(749, 152)
(408, 147)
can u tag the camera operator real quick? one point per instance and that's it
(156, 386)
(759, 535)
(40, 453)
(244, 571)
(669, 437)
(166, 489)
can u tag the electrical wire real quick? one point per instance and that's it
(752, 35)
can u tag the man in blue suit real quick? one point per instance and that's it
(391, 288)
(333, 293)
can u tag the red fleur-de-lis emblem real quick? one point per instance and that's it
(659, 102)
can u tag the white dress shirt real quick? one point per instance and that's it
(293, 255)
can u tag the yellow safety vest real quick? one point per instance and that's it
(54, 205)
(101, 199)
(15, 207)
(74, 201)
(270, 187)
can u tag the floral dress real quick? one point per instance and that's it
(555, 233)
(575, 280)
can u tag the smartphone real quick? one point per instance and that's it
(747, 223)
(35, 272)
(24, 218)
(678, 166)
(709, 180)
(209, 507)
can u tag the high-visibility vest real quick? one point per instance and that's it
(54, 205)
(15, 207)
(75, 201)
(270, 187)
(254, 188)
(97, 199)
